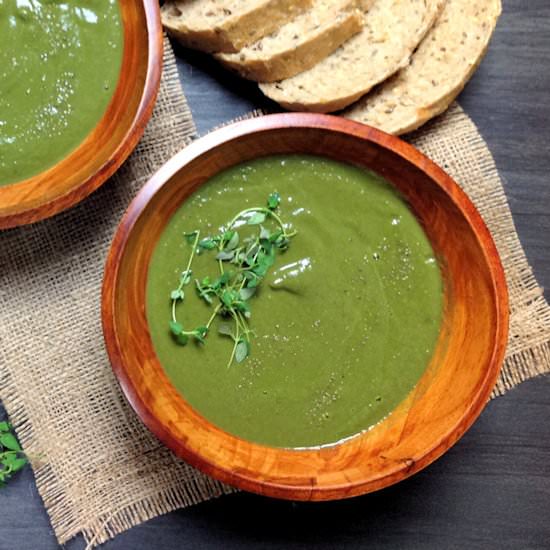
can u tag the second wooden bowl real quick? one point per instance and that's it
(450, 395)
(113, 138)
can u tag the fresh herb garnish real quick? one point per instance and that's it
(12, 458)
(243, 263)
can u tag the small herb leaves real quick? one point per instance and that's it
(256, 219)
(273, 200)
(177, 294)
(229, 294)
(241, 351)
(12, 458)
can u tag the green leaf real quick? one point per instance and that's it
(4, 427)
(273, 200)
(225, 256)
(269, 258)
(250, 256)
(227, 236)
(199, 287)
(13, 461)
(18, 463)
(177, 294)
(207, 244)
(252, 279)
(265, 261)
(282, 243)
(266, 245)
(190, 237)
(256, 219)
(264, 233)
(9, 442)
(233, 241)
(200, 334)
(204, 292)
(241, 352)
(260, 271)
(182, 339)
(243, 307)
(222, 280)
(185, 278)
(176, 328)
(228, 297)
(239, 258)
(7, 458)
(225, 329)
(247, 292)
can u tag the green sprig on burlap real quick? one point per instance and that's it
(12, 458)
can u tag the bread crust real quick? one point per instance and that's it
(298, 45)
(392, 30)
(440, 68)
(226, 25)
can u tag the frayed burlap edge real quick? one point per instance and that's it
(164, 501)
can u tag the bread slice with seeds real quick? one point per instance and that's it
(438, 71)
(226, 25)
(392, 30)
(298, 45)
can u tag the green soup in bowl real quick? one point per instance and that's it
(59, 67)
(343, 323)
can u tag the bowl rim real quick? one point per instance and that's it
(47, 208)
(323, 122)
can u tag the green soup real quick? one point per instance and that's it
(59, 66)
(344, 323)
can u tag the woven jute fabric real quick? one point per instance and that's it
(99, 470)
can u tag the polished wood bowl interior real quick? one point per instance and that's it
(450, 395)
(113, 138)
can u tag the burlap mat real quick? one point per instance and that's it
(101, 471)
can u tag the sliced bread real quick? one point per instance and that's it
(226, 25)
(392, 30)
(438, 71)
(299, 44)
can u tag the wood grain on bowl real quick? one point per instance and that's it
(449, 396)
(114, 137)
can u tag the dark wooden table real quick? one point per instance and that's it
(492, 490)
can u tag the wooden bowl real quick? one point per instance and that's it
(449, 396)
(113, 138)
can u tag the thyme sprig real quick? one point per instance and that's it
(12, 458)
(243, 263)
